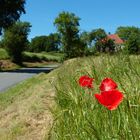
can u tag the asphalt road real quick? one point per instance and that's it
(11, 78)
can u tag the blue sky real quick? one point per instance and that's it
(106, 14)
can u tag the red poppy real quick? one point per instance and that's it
(108, 84)
(110, 99)
(86, 81)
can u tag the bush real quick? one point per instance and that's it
(15, 40)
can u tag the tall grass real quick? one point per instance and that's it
(78, 116)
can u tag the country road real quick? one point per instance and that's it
(11, 78)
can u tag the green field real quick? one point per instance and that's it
(33, 57)
(43, 56)
(78, 115)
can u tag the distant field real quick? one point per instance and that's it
(50, 56)
(33, 57)
(78, 115)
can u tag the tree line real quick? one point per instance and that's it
(68, 39)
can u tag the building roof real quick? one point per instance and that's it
(116, 38)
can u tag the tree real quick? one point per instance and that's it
(10, 11)
(38, 44)
(67, 25)
(85, 38)
(15, 40)
(133, 44)
(53, 42)
(45, 43)
(131, 35)
(126, 32)
(97, 34)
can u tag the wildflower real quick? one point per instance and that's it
(86, 81)
(108, 84)
(110, 99)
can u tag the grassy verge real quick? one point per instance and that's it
(78, 116)
(24, 109)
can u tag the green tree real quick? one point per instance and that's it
(126, 32)
(68, 26)
(45, 43)
(38, 44)
(131, 35)
(97, 36)
(10, 11)
(133, 44)
(15, 40)
(53, 42)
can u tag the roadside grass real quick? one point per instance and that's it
(3, 54)
(24, 109)
(32, 57)
(78, 116)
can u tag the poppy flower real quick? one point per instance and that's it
(108, 84)
(110, 99)
(86, 81)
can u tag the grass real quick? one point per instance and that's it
(30, 59)
(78, 116)
(24, 109)
(75, 114)
(29, 56)
(3, 54)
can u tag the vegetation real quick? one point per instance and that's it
(10, 12)
(67, 25)
(15, 40)
(78, 116)
(34, 57)
(3, 54)
(24, 109)
(131, 35)
(45, 43)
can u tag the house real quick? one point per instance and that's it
(117, 40)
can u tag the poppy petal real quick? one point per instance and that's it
(110, 99)
(86, 81)
(108, 84)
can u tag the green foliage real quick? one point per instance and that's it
(126, 32)
(132, 37)
(15, 40)
(106, 45)
(96, 41)
(53, 42)
(10, 11)
(97, 34)
(45, 43)
(38, 44)
(78, 116)
(3, 54)
(133, 44)
(67, 25)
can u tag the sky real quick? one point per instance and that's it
(106, 14)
